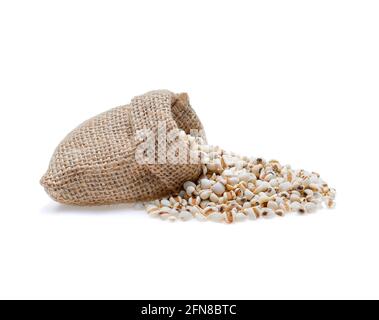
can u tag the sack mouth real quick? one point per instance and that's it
(156, 106)
(184, 115)
(173, 110)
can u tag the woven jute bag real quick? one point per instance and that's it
(96, 164)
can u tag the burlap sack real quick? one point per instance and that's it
(95, 164)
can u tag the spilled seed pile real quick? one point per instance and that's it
(234, 188)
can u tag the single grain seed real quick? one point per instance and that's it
(218, 188)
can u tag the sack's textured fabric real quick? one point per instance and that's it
(96, 164)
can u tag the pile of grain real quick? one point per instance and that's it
(234, 188)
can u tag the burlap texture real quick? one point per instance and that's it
(95, 164)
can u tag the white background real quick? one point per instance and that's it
(292, 80)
